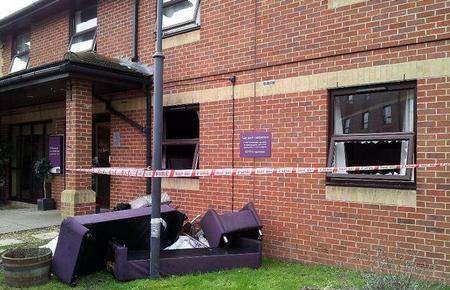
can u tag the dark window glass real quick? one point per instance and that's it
(371, 107)
(181, 142)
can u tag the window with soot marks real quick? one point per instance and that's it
(181, 138)
(377, 127)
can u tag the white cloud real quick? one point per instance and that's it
(8, 7)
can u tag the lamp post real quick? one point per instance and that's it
(155, 231)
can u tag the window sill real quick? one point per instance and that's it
(181, 183)
(377, 196)
(333, 4)
(181, 38)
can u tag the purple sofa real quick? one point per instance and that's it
(84, 240)
(243, 249)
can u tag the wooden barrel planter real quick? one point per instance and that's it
(27, 266)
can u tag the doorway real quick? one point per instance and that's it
(101, 155)
(29, 143)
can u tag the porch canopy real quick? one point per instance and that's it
(47, 83)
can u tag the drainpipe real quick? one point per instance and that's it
(135, 56)
(157, 146)
(148, 136)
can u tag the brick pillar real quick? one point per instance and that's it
(78, 198)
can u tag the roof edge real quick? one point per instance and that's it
(27, 11)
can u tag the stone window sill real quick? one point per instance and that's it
(181, 39)
(377, 196)
(181, 183)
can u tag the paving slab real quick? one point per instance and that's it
(46, 236)
(10, 242)
(14, 220)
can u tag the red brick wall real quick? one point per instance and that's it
(286, 39)
(131, 153)
(50, 39)
(114, 34)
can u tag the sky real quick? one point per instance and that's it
(8, 7)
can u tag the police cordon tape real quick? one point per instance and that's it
(146, 172)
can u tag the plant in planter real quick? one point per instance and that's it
(42, 169)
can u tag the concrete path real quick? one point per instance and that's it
(14, 220)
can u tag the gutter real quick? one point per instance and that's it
(64, 69)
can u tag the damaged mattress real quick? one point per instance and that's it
(83, 241)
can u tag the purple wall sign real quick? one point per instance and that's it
(256, 144)
(55, 153)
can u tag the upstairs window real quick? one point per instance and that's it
(384, 137)
(85, 30)
(181, 138)
(180, 16)
(21, 52)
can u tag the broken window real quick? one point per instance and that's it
(181, 138)
(21, 52)
(85, 30)
(180, 16)
(384, 137)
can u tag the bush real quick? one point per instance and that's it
(396, 272)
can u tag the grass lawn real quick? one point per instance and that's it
(273, 275)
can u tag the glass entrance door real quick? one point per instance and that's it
(29, 143)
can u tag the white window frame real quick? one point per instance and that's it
(20, 54)
(83, 32)
(185, 26)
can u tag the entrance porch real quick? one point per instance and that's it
(72, 99)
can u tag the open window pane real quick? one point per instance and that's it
(179, 12)
(22, 52)
(347, 152)
(180, 157)
(380, 112)
(83, 42)
(20, 63)
(85, 19)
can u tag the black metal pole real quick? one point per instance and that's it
(157, 146)
(148, 136)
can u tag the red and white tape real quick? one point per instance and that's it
(146, 172)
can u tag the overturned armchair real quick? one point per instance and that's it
(119, 242)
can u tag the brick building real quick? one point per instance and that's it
(335, 82)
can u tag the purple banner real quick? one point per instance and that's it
(55, 153)
(256, 144)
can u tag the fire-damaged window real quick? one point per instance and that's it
(84, 30)
(21, 52)
(180, 16)
(181, 138)
(376, 128)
